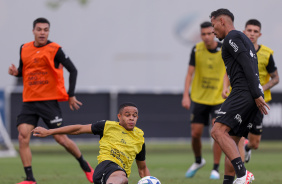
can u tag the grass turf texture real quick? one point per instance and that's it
(166, 161)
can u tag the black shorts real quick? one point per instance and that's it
(49, 111)
(257, 125)
(238, 112)
(201, 113)
(104, 170)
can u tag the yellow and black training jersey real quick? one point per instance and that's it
(207, 84)
(266, 66)
(118, 144)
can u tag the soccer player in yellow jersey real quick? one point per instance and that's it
(208, 68)
(269, 77)
(120, 143)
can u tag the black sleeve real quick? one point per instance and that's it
(250, 74)
(235, 45)
(63, 59)
(192, 57)
(20, 68)
(271, 67)
(141, 156)
(98, 127)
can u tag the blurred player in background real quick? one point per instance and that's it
(208, 68)
(41, 66)
(120, 143)
(267, 70)
(245, 100)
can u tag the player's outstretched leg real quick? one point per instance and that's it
(72, 148)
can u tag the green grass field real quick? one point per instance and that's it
(166, 161)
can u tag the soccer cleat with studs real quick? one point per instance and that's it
(194, 168)
(246, 179)
(89, 175)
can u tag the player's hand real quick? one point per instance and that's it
(186, 102)
(40, 132)
(13, 70)
(225, 93)
(74, 103)
(262, 105)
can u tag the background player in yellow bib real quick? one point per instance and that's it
(120, 143)
(269, 77)
(208, 68)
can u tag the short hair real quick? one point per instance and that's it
(222, 11)
(126, 104)
(205, 25)
(40, 20)
(253, 22)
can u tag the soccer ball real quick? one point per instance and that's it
(149, 180)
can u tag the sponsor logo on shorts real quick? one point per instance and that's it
(56, 120)
(250, 125)
(259, 127)
(219, 112)
(238, 118)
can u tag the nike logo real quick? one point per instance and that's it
(124, 132)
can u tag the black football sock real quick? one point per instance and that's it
(247, 148)
(239, 167)
(228, 179)
(215, 167)
(83, 164)
(198, 159)
(28, 173)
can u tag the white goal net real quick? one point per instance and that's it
(6, 146)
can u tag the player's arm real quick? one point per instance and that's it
(250, 74)
(253, 82)
(61, 58)
(272, 70)
(226, 85)
(141, 163)
(272, 82)
(71, 130)
(142, 168)
(186, 101)
(16, 71)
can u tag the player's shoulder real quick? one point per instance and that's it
(53, 43)
(266, 49)
(108, 122)
(27, 44)
(235, 34)
(139, 131)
